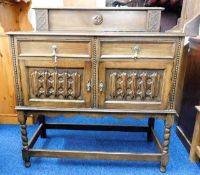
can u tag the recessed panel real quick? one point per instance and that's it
(64, 84)
(134, 85)
(63, 48)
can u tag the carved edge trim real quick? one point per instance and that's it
(175, 75)
(94, 72)
(42, 21)
(17, 84)
(153, 18)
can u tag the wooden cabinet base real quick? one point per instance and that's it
(161, 156)
(96, 74)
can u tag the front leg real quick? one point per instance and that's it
(165, 157)
(22, 118)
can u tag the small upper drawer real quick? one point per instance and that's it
(150, 48)
(63, 48)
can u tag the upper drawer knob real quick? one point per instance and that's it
(97, 19)
(136, 51)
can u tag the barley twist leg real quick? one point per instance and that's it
(22, 117)
(165, 156)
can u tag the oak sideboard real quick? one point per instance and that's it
(96, 73)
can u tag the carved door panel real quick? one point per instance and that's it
(64, 84)
(135, 84)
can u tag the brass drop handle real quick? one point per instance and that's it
(88, 86)
(54, 53)
(136, 51)
(101, 86)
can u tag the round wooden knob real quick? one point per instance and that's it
(97, 19)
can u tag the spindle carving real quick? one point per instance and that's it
(52, 84)
(130, 86)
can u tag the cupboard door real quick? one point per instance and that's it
(135, 84)
(65, 84)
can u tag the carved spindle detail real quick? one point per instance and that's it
(46, 75)
(113, 85)
(143, 85)
(60, 84)
(130, 86)
(123, 84)
(75, 88)
(154, 85)
(65, 84)
(34, 82)
(133, 85)
(52, 84)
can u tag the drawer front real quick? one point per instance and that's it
(64, 48)
(135, 85)
(137, 48)
(68, 84)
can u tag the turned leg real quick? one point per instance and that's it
(22, 117)
(151, 122)
(41, 119)
(165, 157)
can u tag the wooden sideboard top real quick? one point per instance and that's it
(72, 33)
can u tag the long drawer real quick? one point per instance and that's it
(46, 47)
(138, 48)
